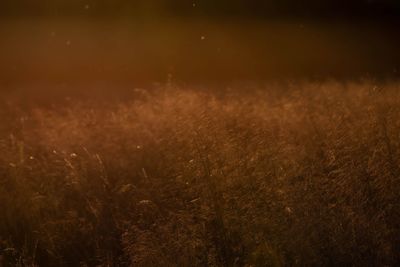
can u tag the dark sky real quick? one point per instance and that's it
(381, 9)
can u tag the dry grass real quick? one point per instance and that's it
(305, 176)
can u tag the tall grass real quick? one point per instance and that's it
(297, 176)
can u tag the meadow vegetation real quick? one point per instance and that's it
(286, 175)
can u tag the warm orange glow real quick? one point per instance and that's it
(199, 133)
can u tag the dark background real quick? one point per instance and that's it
(383, 9)
(93, 42)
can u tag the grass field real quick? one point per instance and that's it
(305, 174)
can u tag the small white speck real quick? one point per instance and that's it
(138, 147)
(202, 38)
(73, 155)
(87, 6)
(31, 158)
(194, 4)
(145, 202)
(195, 200)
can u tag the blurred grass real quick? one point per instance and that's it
(302, 175)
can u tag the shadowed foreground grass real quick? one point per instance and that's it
(297, 177)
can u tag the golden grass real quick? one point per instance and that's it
(273, 177)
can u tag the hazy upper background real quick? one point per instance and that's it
(202, 8)
(99, 42)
